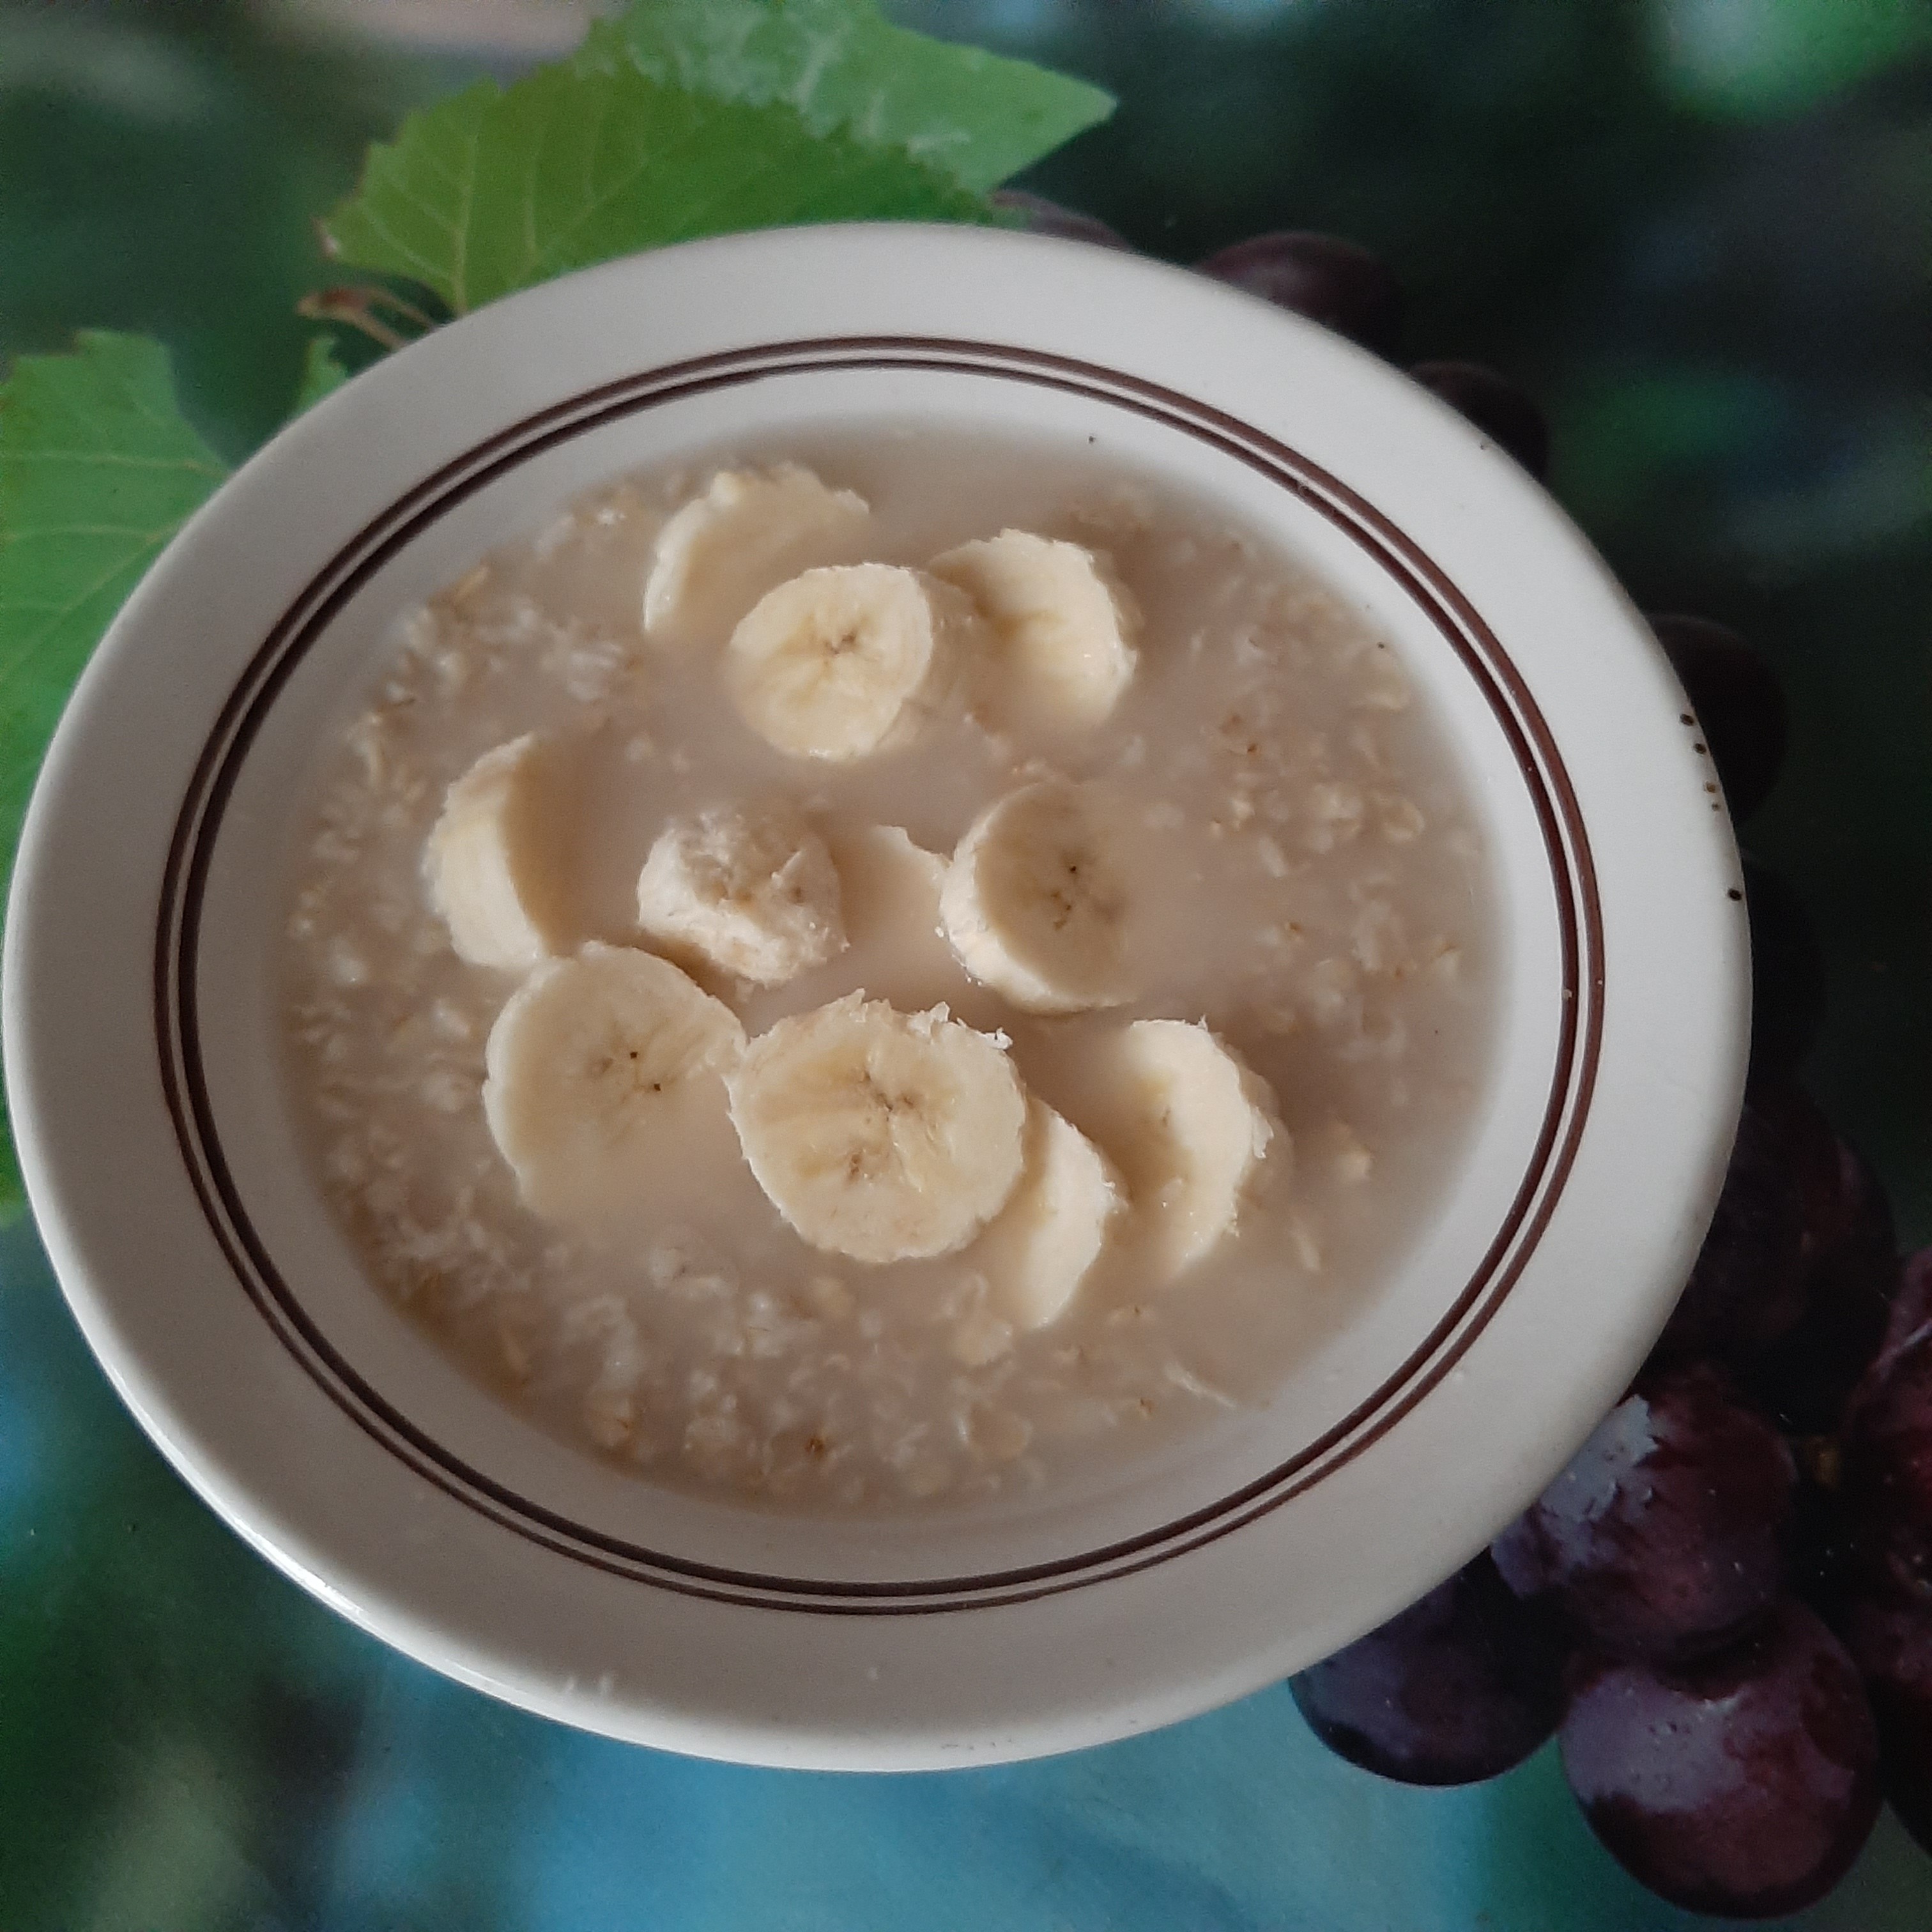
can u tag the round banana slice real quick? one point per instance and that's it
(841, 662)
(1035, 902)
(497, 862)
(602, 1073)
(751, 890)
(1043, 1243)
(750, 530)
(1065, 624)
(878, 1135)
(1191, 1126)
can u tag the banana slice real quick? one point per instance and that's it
(497, 862)
(1193, 1125)
(753, 891)
(603, 1082)
(751, 528)
(882, 1136)
(1044, 1243)
(1035, 902)
(841, 662)
(1065, 624)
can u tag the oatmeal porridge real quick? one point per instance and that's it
(868, 974)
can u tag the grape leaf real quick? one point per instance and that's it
(979, 117)
(322, 371)
(98, 469)
(496, 189)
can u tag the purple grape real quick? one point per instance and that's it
(1887, 1526)
(1049, 217)
(1746, 1283)
(1911, 1305)
(1743, 1785)
(1804, 1376)
(1458, 1687)
(1788, 988)
(1848, 1217)
(1739, 704)
(1337, 283)
(1891, 1642)
(1663, 1537)
(1813, 1152)
(1888, 1477)
(1496, 406)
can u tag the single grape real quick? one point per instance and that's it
(1664, 1536)
(1787, 975)
(1817, 1173)
(1739, 704)
(1049, 217)
(1496, 406)
(1804, 1376)
(1746, 1283)
(1847, 1214)
(1744, 1784)
(1884, 1532)
(1911, 1304)
(1460, 1687)
(1337, 283)
(1888, 1474)
(1891, 1642)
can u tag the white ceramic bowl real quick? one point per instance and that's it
(142, 1069)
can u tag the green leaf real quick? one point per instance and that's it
(497, 189)
(322, 372)
(98, 469)
(979, 117)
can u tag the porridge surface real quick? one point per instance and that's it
(1304, 877)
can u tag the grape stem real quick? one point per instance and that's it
(355, 306)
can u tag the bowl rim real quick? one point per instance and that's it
(305, 619)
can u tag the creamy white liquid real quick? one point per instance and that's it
(1306, 880)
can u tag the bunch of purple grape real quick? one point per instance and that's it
(1723, 1606)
